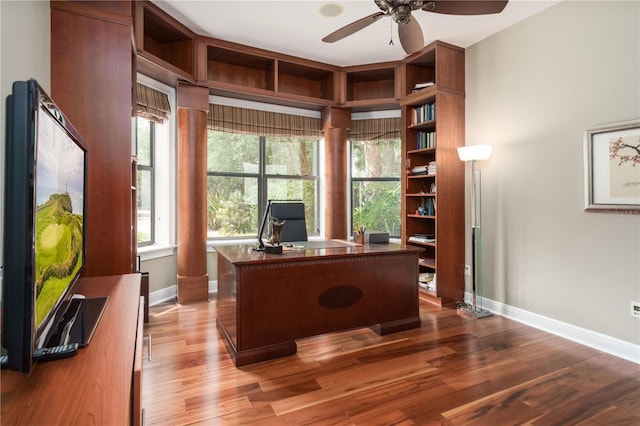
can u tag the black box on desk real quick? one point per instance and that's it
(376, 237)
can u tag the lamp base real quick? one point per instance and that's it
(470, 311)
(271, 249)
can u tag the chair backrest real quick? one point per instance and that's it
(293, 212)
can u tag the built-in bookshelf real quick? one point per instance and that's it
(433, 191)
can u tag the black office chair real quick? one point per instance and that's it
(293, 212)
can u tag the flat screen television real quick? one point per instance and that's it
(44, 222)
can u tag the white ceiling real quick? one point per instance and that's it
(296, 27)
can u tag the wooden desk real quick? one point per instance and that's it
(95, 385)
(266, 301)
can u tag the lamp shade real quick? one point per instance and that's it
(474, 152)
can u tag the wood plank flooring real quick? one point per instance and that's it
(452, 371)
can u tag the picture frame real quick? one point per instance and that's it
(612, 168)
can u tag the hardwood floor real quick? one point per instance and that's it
(451, 371)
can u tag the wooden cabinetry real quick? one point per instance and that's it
(168, 52)
(101, 384)
(371, 87)
(238, 71)
(164, 45)
(229, 69)
(91, 67)
(433, 191)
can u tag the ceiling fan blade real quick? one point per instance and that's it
(353, 27)
(465, 7)
(411, 37)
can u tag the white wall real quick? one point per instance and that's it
(25, 52)
(532, 89)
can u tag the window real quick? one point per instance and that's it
(154, 130)
(375, 176)
(145, 183)
(244, 171)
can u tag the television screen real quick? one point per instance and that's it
(59, 193)
(44, 235)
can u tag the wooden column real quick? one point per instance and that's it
(193, 106)
(336, 123)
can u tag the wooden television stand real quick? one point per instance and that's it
(102, 383)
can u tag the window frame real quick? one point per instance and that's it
(263, 180)
(352, 179)
(164, 176)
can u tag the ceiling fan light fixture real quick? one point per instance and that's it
(331, 10)
(401, 14)
(409, 31)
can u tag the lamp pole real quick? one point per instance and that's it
(476, 238)
(473, 154)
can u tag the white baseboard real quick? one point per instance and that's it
(171, 293)
(592, 339)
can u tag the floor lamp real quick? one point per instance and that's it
(473, 154)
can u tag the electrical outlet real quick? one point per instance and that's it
(467, 270)
(635, 309)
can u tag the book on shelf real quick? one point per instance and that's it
(431, 168)
(423, 113)
(419, 170)
(422, 85)
(425, 139)
(427, 280)
(425, 169)
(426, 261)
(418, 239)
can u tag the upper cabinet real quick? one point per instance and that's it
(437, 64)
(168, 51)
(228, 69)
(165, 47)
(373, 86)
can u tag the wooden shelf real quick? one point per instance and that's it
(444, 65)
(427, 262)
(421, 216)
(371, 82)
(421, 194)
(438, 62)
(230, 69)
(431, 124)
(240, 69)
(163, 41)
(422, 151)
(302, 80)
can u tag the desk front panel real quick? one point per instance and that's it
(262, 304)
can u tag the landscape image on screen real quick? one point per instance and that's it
(59, 214)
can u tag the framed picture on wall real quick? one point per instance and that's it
(612, 168)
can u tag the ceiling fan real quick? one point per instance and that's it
(409, 30)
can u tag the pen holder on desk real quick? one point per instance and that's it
(359, 238)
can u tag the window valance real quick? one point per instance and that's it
(266, 123)
(375, 129)
(152, 104)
